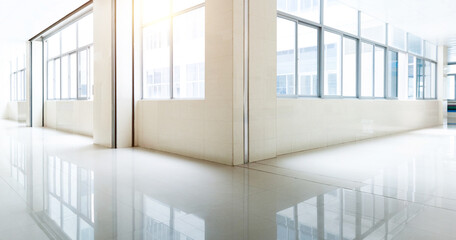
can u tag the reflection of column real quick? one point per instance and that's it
(321, 216)
(125, 195)
(359, 209)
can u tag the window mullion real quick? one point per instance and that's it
(171, 64)
(296, 59)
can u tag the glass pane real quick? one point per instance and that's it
(73, 76)
(367, 70)
(91, 56)
(285, 57)
(373, 29)
(332, 80)
(153, 10)
(340, 16)
(86, 231)
(57, 78)
(50, 80)
(65, 78)
(397, 38)
(349, 73)
(419, 78)
(74, 186)
(403, 76)
(179, 5)
(189, 54)
(85, 31)
(53, 46)
(430, 51)
(450, 88)
(70, 222)
(427, 79)
(69, 38)
(433, 80)
(392, 74)
(156, 60)
(83, 74)
(411, 77)
(307, 9)
(307, 61)
(415, 44)
(379, 72)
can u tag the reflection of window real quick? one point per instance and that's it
(17, 80)
(340, 213)
(173, 63)
(70, 61)
(165, 222)
(17, 158)
(70, 198)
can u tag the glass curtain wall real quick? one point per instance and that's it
(70, 61)
(390, 62)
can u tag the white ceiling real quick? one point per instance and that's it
(432, 20)
(22, 19)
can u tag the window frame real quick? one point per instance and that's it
(77, 51)
(172, 15)
(359, 39)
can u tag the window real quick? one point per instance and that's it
(173, 63)
(17, 80)
(340, 16)
(286, 57)
(430, 51)
(367, 70)
(429, 80)
(450, 87)
(307, 61)
(392, 83)
(397, 38)
(403, 76)
(307, 9)
(419, 78)
(349, 77)
(379, 70)
(70, 61)
(373, 29)
(415, 44)
(412, 80)
(332, 53)
(350, 54)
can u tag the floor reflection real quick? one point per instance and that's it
(85, 193)
(69, 199)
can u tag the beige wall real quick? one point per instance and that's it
(70, 116)
(304, 124)
(209, 129)
(17, 111)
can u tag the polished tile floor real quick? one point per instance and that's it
(56, 185)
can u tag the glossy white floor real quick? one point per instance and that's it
(57, 185)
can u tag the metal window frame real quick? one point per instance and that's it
(61, 54)
(170, 18)
(387, 47)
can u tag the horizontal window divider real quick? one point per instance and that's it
(291, 17)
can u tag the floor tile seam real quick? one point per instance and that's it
(375, 194)
(346, 180)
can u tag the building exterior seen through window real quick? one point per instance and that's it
(347, 53)
(70, 61)
(173, 49)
